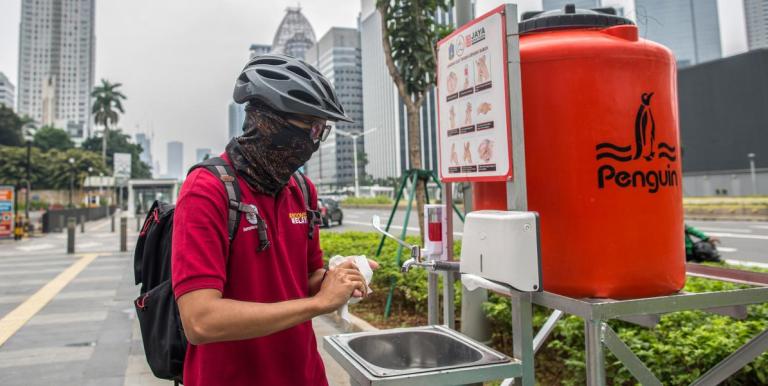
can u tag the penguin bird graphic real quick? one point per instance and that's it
(645, 135)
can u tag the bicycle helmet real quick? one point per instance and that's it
(289, 85)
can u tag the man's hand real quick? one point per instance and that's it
(339, 285)
(350, 264)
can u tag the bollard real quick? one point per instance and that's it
(123, 234)
(113, 223)
(62, 228)
(71, 235)
(138, 223)
(82, 223)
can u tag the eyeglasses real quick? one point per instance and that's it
(318, 129)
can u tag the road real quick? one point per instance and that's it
(742, 241)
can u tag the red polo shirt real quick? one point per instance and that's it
(202, 258)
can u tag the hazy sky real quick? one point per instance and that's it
(178, 59)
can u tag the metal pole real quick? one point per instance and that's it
(123, 234)
(752, 173)
(29, 185)
(449, 307)
(112, 218)
(593, 337)
(522, 334)
(82, 223)
(357, 171)
(463, 12)
(433, 298)
(71, 186)
(71, 235)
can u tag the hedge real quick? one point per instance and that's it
(678, 350)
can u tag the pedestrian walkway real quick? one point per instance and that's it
(69, 319)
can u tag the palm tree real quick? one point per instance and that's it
(108, 102)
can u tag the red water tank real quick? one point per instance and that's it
(602, 156)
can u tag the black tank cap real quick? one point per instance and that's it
(571, 17)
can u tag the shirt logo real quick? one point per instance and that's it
(253, 215)
(298, 217)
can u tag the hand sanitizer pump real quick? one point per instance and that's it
(435, 237)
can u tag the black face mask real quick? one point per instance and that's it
(270, 150)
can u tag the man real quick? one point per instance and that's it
(703, 250)
(246, 310)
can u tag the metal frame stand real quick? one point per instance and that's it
(599, 335)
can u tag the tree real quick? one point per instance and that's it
(10, 127)
(108, 102)
(49, 170)
(49, 137)
(120, 143)
(409, 35)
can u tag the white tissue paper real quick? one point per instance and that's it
(362, 264)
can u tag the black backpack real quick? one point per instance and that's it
(163, 337)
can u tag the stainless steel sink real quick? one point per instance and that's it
(420, 355)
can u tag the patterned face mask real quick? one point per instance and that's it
(270, 150)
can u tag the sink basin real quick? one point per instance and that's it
(415, 354)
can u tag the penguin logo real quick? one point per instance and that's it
(645, 129)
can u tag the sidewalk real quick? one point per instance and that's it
(73, 320)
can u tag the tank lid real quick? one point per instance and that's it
(570, 18)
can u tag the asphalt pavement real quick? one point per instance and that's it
(68, 319)
(742, 241)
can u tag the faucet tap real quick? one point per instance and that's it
(416, 253)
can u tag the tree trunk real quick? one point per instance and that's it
(414, 156)
(104, 145)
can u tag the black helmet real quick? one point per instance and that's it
(288, 85)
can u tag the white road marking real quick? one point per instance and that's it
(727, 250)
(352, 215)
(739, 236)
(747, 263)
(87, 245)
(35, 247)
(760, 226)
(708, 229)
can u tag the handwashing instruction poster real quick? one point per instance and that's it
(473, 105)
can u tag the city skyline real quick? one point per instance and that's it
(175, 101)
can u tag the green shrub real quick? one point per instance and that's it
(376, 200)
(410, 288)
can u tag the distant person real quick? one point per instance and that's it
(246, 308)
(704, 249)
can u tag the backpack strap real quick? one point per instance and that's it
(221, 169)
(313, 216)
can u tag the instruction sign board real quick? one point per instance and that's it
(122, 166)
(473, 103)
(6, 211)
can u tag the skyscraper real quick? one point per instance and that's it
(200, 154)
(146, 148)
(236, 119)
(7, 92)
(691, 29)
(175, 159)
(56, 63)
(295, 35)
(337, 56)
(387, 147)
(260, 49)
(756, 15)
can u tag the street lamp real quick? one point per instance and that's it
(354, 137)
(751, 157)
(29, 136)
(71, 180)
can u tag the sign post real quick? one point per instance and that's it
(121, 167)
(7, 221)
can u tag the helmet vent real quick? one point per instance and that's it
(269, 62)
(272, 74)
(298, 71)
(311, 67)
(243, 78)
(304, 97)
(328, 90)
